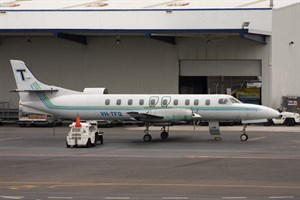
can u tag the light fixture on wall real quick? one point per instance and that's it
(245, 25)
(118, 40)
(271, 4)
(28, 40)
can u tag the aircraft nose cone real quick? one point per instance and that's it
(272, 113)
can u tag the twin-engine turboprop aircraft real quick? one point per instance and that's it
(154, 109)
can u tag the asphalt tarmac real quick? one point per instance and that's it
(35, 164)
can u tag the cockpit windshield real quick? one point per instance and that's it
(234, 100)
(228, 101)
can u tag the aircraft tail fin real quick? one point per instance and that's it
(25, 80)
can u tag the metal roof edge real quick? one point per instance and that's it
(24, 30)
(128, 10)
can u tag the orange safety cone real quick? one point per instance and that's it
(78, 124)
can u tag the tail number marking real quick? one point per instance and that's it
(111, 114)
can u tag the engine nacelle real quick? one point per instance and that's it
(173, 115)
(95, 91)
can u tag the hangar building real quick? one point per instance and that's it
(157, 46)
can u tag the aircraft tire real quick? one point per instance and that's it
(244, 137)
(164, 135)
(147, 138)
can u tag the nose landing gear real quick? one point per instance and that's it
(244, 137)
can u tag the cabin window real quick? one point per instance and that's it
(224, 101)
(107, 102)
(164, 102)
(119, 102)
(141, 102)
(187, 102)
(175, 102)
(196, 102)
(207, 102)
(129, 102)
(152, 102)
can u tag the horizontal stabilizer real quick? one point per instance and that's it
(143, 116)
(48, 90)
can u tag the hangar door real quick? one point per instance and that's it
(221, 77)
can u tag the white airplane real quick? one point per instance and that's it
(152, 109)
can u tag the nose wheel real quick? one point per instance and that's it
(244, 137)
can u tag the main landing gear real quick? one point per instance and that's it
(244, 136)
(164, 134)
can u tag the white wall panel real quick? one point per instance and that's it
(136, 20)
(220, 68)
(286, 55)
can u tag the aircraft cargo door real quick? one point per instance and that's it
(222, 77)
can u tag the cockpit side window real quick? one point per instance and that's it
(224, 101)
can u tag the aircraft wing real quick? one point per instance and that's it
(144, 116)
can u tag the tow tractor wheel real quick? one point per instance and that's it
(244, 137)
(96, 138)
(164, 135)
(89, 143)
(147, 138)
(68, 146)
(289, 121)
(101, 139)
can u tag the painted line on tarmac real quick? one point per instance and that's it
(14, 138)
(258, 138)
(282, 197)
(145, 156)
(174, 198)
(60, 197)
(12, 197)
(245, 157)
(87, 184)
(117, 198)
(234, 197)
